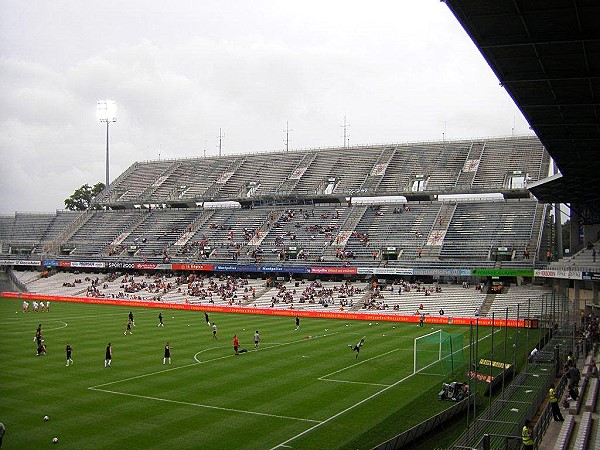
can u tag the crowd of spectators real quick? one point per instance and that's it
(225, 288)
(315, 292)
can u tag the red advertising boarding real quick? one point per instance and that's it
(371, 317)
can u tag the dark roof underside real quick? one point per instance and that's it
(546, 54)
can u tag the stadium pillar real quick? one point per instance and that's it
(558, 224)
(575, 243)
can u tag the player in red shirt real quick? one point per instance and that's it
(236, 344)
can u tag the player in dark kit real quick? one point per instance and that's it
(38, 335)
(160, 320)
(128, 328)
(131, 318)
(357, 347)
(297, 323)
(207, 320)
(256, 339)
(167, 356)
(41, 350)
(108, 356)
(69, 351)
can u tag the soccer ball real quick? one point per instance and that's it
(46, 418)
(55, 440)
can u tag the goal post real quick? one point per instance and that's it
(438, 352)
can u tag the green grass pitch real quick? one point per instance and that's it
(295, 391)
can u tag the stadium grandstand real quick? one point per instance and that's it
(440, 211)
(453, 229)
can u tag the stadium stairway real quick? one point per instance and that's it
(486, 306)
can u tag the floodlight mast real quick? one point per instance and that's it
(106, 111)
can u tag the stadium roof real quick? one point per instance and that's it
(547, 56)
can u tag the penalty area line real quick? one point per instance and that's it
(357, 364)
(351, 407)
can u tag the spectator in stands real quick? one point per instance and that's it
(593, 369)
(573, 375)
(526, 253)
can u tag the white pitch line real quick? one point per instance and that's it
(199, 405)
(205, 350)
(65, 325)
(335, 416)
(196, 363)
(142, 376)
(329, 419)
(358, 363)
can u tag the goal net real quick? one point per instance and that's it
(438, 353)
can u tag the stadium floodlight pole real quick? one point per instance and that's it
(221, 136)
(106, 111)
(346, 135)
(287, 136)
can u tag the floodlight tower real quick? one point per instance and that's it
(106, 111)
(287, 136)
(346, 135)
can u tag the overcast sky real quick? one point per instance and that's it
(399, 70)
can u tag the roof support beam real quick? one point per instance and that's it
(490, 43)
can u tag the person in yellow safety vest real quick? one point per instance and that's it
(554, 405)
(526, 435)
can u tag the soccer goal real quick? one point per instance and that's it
(438, 353)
